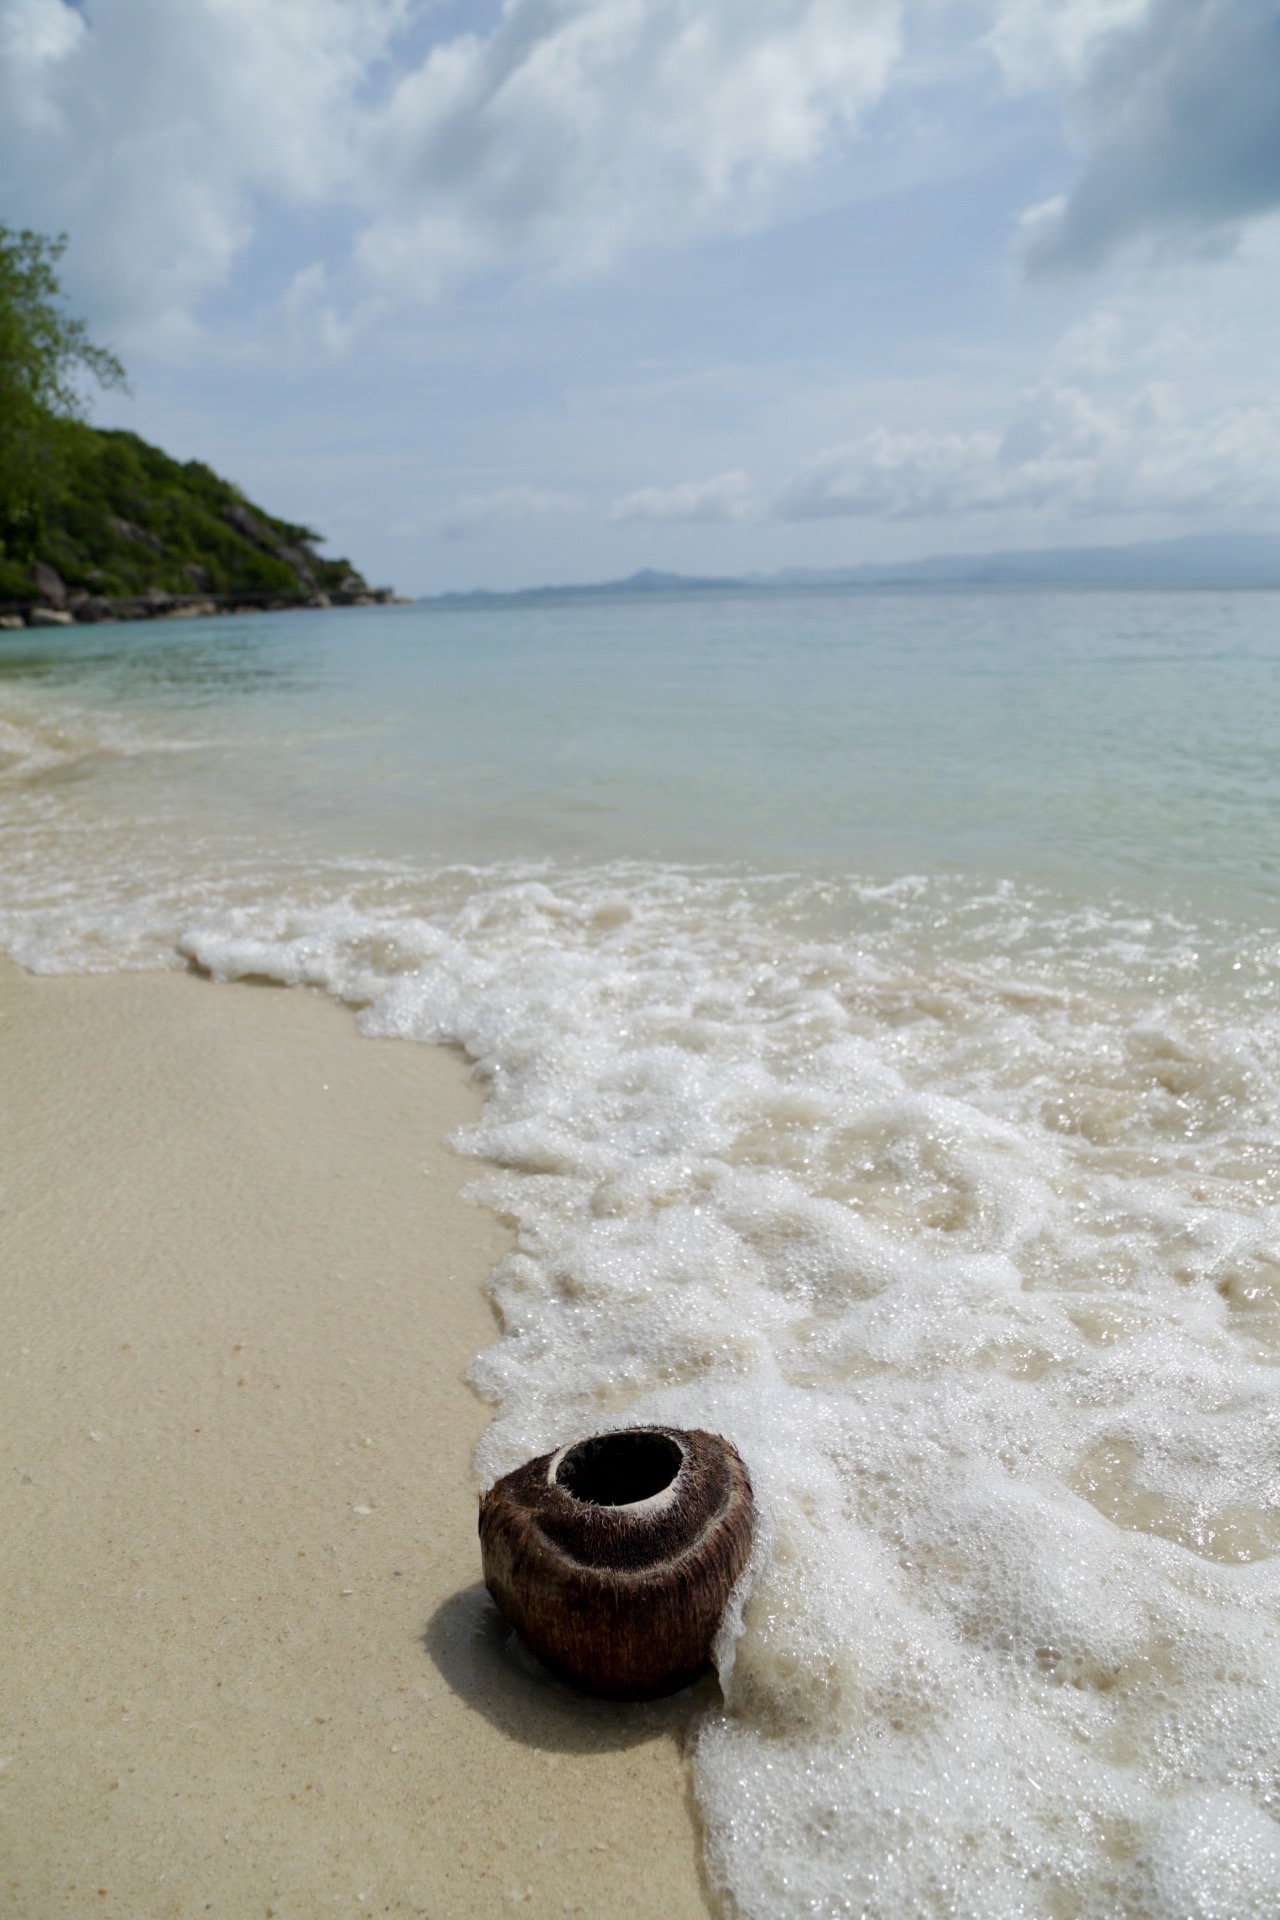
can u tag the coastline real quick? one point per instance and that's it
(251, 1667)
(85, 609)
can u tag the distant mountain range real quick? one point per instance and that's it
(1197, 560)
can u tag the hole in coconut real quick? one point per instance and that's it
(618, 1469)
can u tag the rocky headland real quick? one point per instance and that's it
(140, 536)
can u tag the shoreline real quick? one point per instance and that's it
(88, 610)
(252, 1669)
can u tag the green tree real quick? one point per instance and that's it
(44, 358)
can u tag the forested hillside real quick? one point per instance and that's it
(133, 526)
(100, 526)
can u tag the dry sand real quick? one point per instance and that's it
(248, 1667)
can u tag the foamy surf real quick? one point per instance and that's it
(981, 1273)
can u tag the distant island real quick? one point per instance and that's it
(137, 535)
(1197, 560)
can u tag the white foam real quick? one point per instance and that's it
(960, 1214)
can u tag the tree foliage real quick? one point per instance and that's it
(45, 356)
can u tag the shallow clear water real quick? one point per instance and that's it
(876, 998)
(1085, 739)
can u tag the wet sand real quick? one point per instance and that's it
(249, 1667)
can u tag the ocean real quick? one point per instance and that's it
(876, 1000)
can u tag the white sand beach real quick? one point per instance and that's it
(250, 1669)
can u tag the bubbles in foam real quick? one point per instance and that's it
(958, 1212)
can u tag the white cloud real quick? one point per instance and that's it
(727, 497)
(568, 133)
(504, 506)
(34, 32)
(1064, 452)
(1173, 106)
(159, 133)
(1052, 43)
(165, 135)
(578, 129)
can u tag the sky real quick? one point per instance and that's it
(507, 292)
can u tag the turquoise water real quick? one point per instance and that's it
(1083, 738)
(877, 1001)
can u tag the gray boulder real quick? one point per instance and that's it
(141, 536)
(301, 562)
(93, 608)
(49, 583)
(248, 523)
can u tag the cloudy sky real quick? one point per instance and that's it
(505, 293)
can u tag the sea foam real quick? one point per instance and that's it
(960, 1219)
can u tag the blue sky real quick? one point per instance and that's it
(551, 290)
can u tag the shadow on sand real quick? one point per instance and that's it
(485, 1664)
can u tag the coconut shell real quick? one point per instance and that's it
(614, 1557)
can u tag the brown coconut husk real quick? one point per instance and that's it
(614, 1558)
